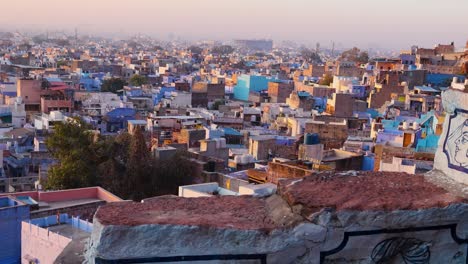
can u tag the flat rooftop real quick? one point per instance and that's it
(68, 231)
(47, 206)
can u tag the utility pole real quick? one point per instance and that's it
(333, 49)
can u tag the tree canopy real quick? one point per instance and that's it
(71, 144)
(327, 79)
(310, 56)
(222, 50)
(113, 85)
(195, 49)
(355, 55)
(138, 80)
(122, 164)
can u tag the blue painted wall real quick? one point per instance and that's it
(249, 83)
(438, 79)
(11, 216)
(157, 97)
(368, 163)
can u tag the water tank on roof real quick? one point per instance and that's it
(311, 139)
(246, 158)
(415, 125)
(405, 125)
(222, 142)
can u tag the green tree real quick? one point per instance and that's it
(168, 175)
(62, 42)
(222, 50)
(363, 57)
(71, 144)
(139, 167)
(327, 79)
(61, 63)
(195, 50)
(138, 80)
(113, 153)
(39, 39)
(355, 55)
(217, 103)
(113, 85)
(122, 164)
(310, 56)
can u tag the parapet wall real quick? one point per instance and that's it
(371, 218)
(40, 243)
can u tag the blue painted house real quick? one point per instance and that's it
(117, 119)
(429, 138)
(157, 97)
(249, 83)
(91, 82)
(12, 213)
(441, 79)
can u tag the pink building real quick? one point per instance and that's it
(54, 239)
(81, 202)
(30, 90)
(56, 104)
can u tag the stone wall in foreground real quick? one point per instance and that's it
(437, 235)
(378, 216)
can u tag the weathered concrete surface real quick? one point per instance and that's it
(364, 191)
(308, 218)
(218, 211)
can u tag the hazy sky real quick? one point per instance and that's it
(378, 23)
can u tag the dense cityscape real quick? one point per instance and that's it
(135, 149)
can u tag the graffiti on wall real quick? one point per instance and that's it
(401, 250)
(456, 142)
(414, 245)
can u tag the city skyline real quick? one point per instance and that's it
(361, 23)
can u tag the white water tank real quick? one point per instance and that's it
(222, 142)
(415, 125)
(244, 159)
(405, 125)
